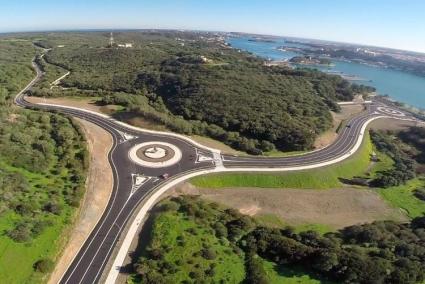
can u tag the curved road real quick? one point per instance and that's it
(89, 263)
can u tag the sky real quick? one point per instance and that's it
(388, 23)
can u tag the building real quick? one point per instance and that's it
(126, 45)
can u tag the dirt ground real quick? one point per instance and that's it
(81, 103)
(391, 124)
(335, 208)
(98, 191)
(347, 111)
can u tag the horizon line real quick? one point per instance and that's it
(201, 30)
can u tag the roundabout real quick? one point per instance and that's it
(390, 111)
(155, 154)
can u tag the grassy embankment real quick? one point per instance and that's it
(402, 197)
(321, 178)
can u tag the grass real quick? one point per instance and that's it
(278, 274)
(17, 259)
(384, 162)
(169, 225)
(277, 153)
(402, 197)
(271, 220)
(321, 178)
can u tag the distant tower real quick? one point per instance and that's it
(111, 40)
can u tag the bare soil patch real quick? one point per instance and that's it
(12, 117)
(98, 191)
(336, 208)
(84, 103)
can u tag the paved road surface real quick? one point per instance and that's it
(90, 261)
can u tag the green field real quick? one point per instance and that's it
(284, 275)
(17, 259)
(321, 178)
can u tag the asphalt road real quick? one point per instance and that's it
(88, 265)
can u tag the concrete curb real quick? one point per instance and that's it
(132, 154)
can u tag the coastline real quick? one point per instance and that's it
(402, 87)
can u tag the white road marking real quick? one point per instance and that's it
(137, 181)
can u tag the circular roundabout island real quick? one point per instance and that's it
(155, 154)
(391, 111)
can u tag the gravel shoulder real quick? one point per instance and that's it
(98, 190)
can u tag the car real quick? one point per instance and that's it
(164, 176)
(348, 126)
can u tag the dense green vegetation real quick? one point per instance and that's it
(403, 168)
(195, 84)
(380, 252)
(42, 164)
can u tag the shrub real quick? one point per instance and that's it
(419, 193)
(43, 265)
(21, 233)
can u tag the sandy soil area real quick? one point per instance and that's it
(98, 191)
(335, 208)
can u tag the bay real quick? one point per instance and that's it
(400, 86)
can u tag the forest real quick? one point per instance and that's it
(379, 252)
(198, 85)
(43, 159)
